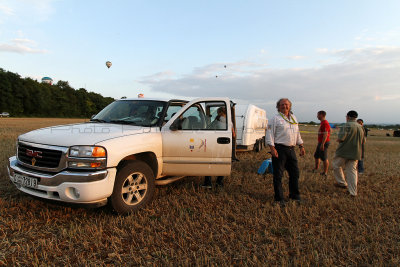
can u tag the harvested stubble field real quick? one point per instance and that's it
(187, 225)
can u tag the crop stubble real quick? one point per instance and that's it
(187, 225)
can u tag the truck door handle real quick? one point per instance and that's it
(223, 140)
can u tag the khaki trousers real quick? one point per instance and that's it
(350, 167)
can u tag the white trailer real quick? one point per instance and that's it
(251, 124)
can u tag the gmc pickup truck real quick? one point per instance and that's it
(125, 150)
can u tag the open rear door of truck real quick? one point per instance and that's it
(197, 141)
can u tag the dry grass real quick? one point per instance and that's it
(186, 225)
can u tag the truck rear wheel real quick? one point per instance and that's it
(133, 188)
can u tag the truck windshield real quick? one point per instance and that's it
(136, 112)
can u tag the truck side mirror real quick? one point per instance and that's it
(94, 115)
(176, 125)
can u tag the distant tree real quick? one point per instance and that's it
(26, 97)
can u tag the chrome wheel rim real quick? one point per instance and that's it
(134, 188)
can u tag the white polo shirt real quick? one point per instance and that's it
(283, 131)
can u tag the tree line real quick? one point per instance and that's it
(25, 97)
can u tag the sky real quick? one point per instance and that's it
(322, 55)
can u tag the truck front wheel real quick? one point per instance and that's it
(134, 187)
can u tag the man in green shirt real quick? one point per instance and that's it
(350, 138)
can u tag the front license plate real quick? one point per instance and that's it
(25, 180)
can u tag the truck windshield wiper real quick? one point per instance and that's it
(97, 120)
(122, 122)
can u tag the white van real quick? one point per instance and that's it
(251, 124)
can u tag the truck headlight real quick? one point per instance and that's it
(87, 157)
(87, 151)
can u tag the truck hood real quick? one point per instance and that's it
(80, 134)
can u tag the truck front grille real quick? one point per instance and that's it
(39, 157)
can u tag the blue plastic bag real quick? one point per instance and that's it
(266, 166)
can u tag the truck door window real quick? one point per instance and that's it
(205, 116)
(216, 115)
(193, 118)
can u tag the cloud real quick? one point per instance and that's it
(387, 97)
(24, 41)
(296, 57)
(369, 38)
(44, 8)
(353, 81)
(21, 46)
(5, 10)
(26, 10)
(322, 50)
(160, 76)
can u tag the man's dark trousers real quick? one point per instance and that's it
(286, 160)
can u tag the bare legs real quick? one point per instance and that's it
(325, 163)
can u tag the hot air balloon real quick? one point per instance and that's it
(108, 64)
(225, 66)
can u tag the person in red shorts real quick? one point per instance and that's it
(321, 153)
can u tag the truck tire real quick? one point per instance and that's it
(133, 188)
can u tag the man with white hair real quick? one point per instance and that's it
(282, 136)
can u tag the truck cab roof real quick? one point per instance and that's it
(153, 99)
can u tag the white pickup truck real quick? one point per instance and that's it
(125, 150)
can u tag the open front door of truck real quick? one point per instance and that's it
(197, 141)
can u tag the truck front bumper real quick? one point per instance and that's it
(66, 186)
